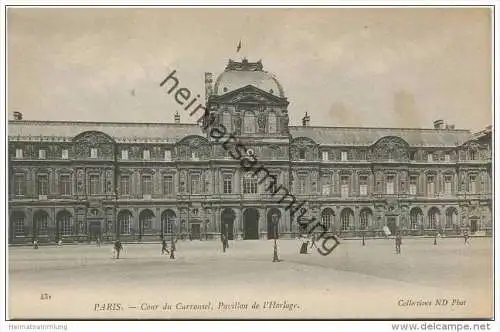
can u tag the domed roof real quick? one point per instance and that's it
(240, 74)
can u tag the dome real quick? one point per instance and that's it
(240, 74)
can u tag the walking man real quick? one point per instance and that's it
(118, 247)
(173, 249)
(35, 244)
(164, 248)
(223, 240)
(398, 243)
(466, 237)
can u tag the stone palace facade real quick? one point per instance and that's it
(77, 181)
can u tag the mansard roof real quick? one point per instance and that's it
(119, 131)
(364, 136)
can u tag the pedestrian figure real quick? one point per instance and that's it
(164, 247)
(398, 243)
(172, 249)
(226, 241)
(59, 243)
(118, 247)
(35, 244)
(223, 240)
(466, 237)
(98, 241)
(305, 243)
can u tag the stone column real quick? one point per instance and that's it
(263, 223)
(238, 223)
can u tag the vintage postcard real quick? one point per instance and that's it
(256, 163)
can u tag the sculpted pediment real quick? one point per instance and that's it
(250, 95)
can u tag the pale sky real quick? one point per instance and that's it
(343, 66)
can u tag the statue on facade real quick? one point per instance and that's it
(261, 121)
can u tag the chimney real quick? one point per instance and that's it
(208, 86)
(177, 118)
(18, 115)
(305, 120)
(439, 124)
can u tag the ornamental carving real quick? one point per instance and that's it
(390, 148)
(93, 139)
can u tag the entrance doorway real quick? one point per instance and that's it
(270, 224)
(251, 224)
(94, 230)
(391, 223)
(196, 231)
(473, 225)
(227, 223)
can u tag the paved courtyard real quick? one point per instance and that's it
(355, 281)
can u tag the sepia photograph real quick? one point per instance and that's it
(257, 163)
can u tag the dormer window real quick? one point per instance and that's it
(93, 153)
(194, 155)
(146, 155)
(343, 156)
(302, 154)
(42, 154)
(430, 157)
(64, 154)
(124, 154)
(19, 153)
(168, 155)
(324, 155)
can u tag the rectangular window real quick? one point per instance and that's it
(302, 185)
(228, 184)
(325, 155)
(343, 156)
(413, 185)
(473, 184)
(65, 154)
(124, 185)
(168, 155)
(389, 185)
(93, 153)
(431, 188)
(363, 185)
(249, 185)
(146, 155)
(147, 184)
(447, 158)
(430, 158)
(447, 185)
(65, 184)
(168, 184)
(42, 154)
(43, 184)
(19, 226)
(124, 154)
(19, 153)
(195, 184)
(344, 186)
(194, 155)
(94, 184)
(19, 184)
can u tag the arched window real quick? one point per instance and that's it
(415, 218)
(346, 217)
(65, 224)
(433, 218)
(124, 220)
(226, 120)
(271, 119)
(327, 217)
(249, 122)
(451, 217)
(365, 218)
